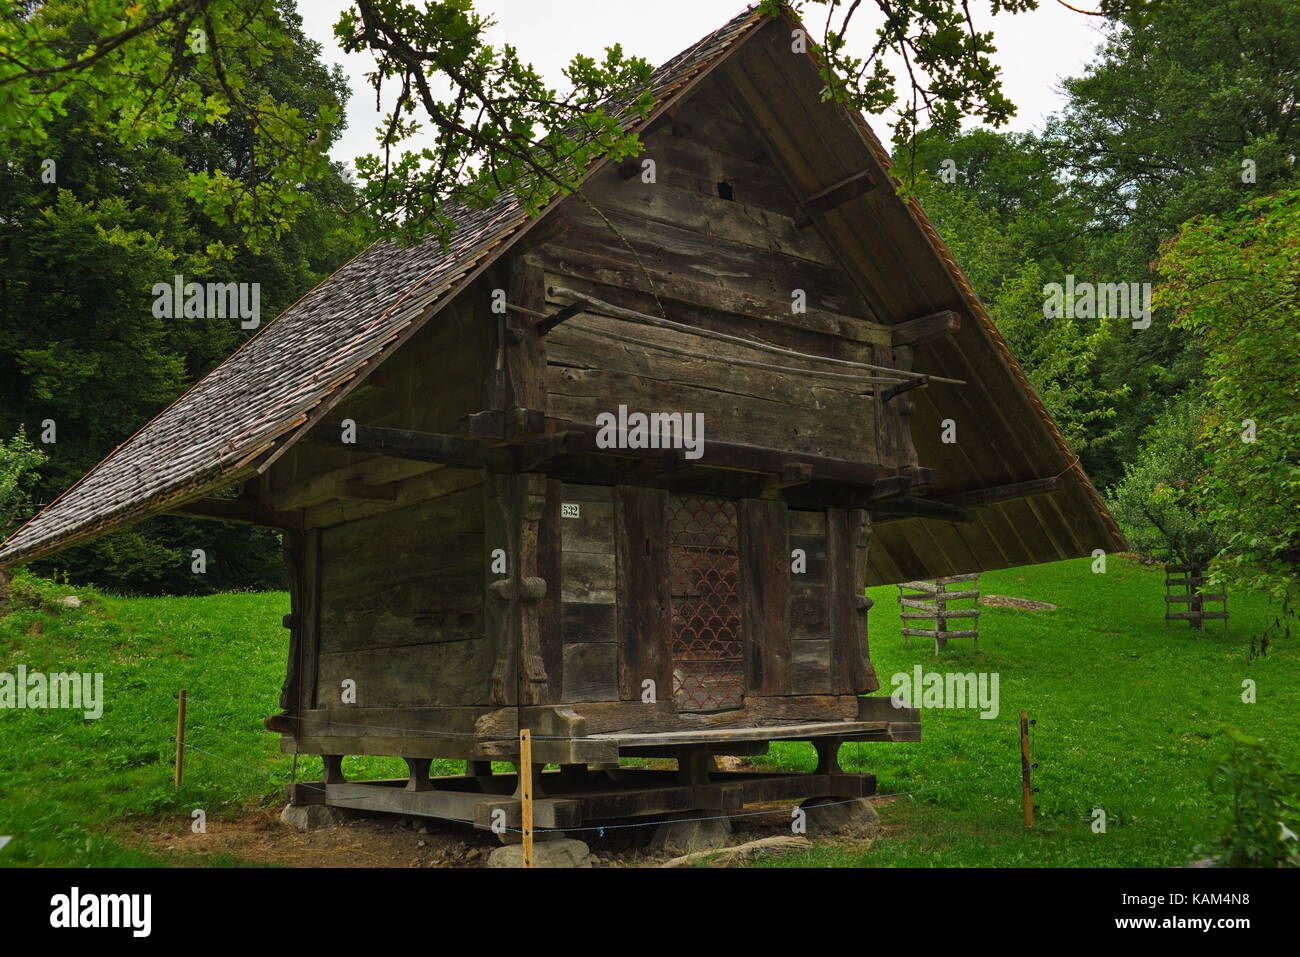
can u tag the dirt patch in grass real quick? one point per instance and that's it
(261, 838)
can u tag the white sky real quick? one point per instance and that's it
(1035, 49)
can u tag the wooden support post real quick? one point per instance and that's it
(332, 772)
(180, 737)
(940, 617)
(419, 774)
(1026, 773)
(828, 755)
(526, 793)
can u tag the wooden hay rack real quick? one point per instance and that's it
(1183, 585)
(929, 601)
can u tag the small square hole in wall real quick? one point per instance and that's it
(725, 190)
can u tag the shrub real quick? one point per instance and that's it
(19, 460)
(1264, 815)
(1155, 501)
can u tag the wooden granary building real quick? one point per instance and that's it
(474, 548)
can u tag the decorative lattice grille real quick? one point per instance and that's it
(708, 636)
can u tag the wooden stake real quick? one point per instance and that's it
(526, 793)
(1026, 773)
(180, 738)
(940, 617)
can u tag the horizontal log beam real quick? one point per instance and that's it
(731, 455)
(956, 508)
(364, 491)
(833, 494)
(914, 331)
(505, 425)
(238, 511)
(572, 450)
(406, 444)
(911, 506)
(837, 194)
(1001, 493)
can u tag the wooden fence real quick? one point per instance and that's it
(928, 601)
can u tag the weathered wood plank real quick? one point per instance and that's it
(810, 670)
(590, 622)
(590, 671)
(590, 530)
(588, 578)
(644, 624)
(414, 676)
(765, 595)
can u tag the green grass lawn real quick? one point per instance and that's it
(1130, 717)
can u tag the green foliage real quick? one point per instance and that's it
(32, 593)
(1234, 283)
(500, 127)
(19, 461)
(82, 796)
(152, 68)
(144, 73)
(996, 216)
(1158, 130)
(1264, 813)
(948, 61)
(1156, 502)
(82, 244)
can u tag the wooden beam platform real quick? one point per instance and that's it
(570, 801)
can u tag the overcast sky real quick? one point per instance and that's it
(1035, 50)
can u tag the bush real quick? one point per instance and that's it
(19, 460)
(1264, 816)
(1234, 282)
(1154, 501)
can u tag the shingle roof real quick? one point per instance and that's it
(304, 362)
